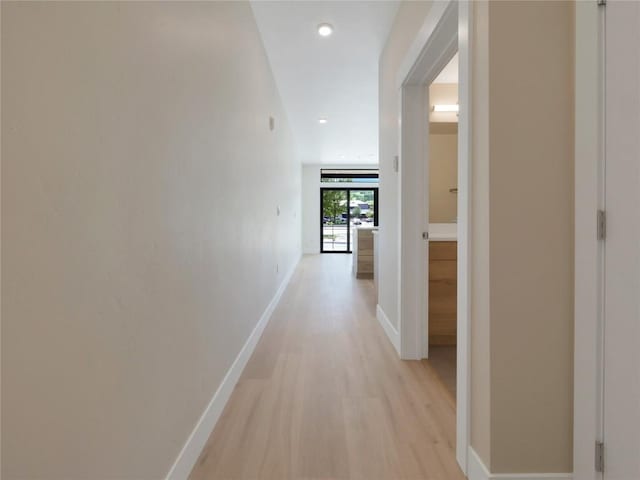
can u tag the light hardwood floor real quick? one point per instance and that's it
(442, 358)
(326, 397)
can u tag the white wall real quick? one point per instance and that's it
(408, 21)
(443, 176)
(311, 209)
(311, 203)
(523, 224)
(140, 242)
(480, 254)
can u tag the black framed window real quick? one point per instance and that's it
(354, 176)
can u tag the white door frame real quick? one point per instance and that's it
(589, 252)
(591, 140)
(447, 29)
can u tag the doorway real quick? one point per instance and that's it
(445, 31)
(441, 288)
(342, 210)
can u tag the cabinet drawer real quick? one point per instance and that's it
(442, 292)
(443, 250)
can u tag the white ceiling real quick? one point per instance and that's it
(444, 91)
(333, 77)
(449, 73)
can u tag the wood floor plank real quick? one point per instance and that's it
(325, 397)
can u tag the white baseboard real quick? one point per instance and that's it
(388, 328)
(478, 471)
(189, 454)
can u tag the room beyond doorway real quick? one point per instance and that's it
(442, 95)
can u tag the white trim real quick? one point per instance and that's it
(438, 38)
(465, 168)
(589, 254)
(431, 23)
(434, 46)
(476, 468)
(195, 443)
(413, 220)
(389, 329)
(478, 471)
(447, 28)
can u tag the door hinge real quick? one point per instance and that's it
(425, 235)
(602, 3)
(599, 457)
(602, 225)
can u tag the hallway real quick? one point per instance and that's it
(171, 172)
(325, 396)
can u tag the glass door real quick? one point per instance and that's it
(341, 210)
(334, 211)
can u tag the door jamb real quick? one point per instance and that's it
(588, 261)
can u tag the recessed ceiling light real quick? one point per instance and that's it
(325, 29)
(322, 120)
(446, 108)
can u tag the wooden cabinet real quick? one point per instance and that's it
(443, 279)
(375, 261)
(363, 252)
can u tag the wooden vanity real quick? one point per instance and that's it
(443, 279)
(363, 252)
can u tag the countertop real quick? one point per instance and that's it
(443, 232)
(438, 232)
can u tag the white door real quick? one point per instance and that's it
(622, 244)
